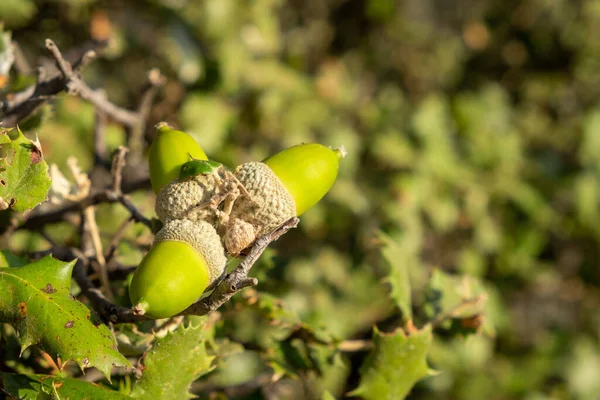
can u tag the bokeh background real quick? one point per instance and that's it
(473, 134)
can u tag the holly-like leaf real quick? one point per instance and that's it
(36, 300)
(52, 387)
(457, 301)
(399, 277)
(396, 363)
(24, 178)
(173, 363)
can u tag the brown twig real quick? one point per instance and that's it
(91, 245)
(116, 194)
(102, 305)
(67, 79)
(75, 85)
(238, 279)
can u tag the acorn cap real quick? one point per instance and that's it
(307, 171)
(169, 151)
(202, 236)
(270, 203)
(180, 199)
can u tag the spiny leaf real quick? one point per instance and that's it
(52, 387)
(24, 179)
(396, 363)
(399, 277)
(36, 300)
(173, 363)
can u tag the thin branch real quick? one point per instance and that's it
(116, 194)
(103, 306)
(238, 279)
(20, 105)
(91, 242)
(37, 219)
(63, 65)
(84, 61)
(117, 169)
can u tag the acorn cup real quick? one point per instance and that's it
(184, 260)
(169, 151)
(283, 186)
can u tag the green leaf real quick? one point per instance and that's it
(52, 387)
(36, 300)
(396, 363)
(173, 363)
(399, 277)
(458, 298)
(24, 178)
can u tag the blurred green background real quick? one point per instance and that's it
(473, 133)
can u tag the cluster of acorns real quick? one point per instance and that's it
(208, 212)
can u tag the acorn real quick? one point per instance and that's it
(184, 260)
(169, 151)
(282, 186)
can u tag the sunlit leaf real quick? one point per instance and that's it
(397, 362)
(36, 300)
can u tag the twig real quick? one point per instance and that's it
(103, 306)
(117, 168)
(75, 85)
(91, 241)
(115, 192)
(67, 78)
(238, 279)
(35, 219)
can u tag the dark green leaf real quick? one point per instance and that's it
(174, 362)
(36, 300)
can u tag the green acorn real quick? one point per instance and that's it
(169, 151)
(282, 186)
(185, 258)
